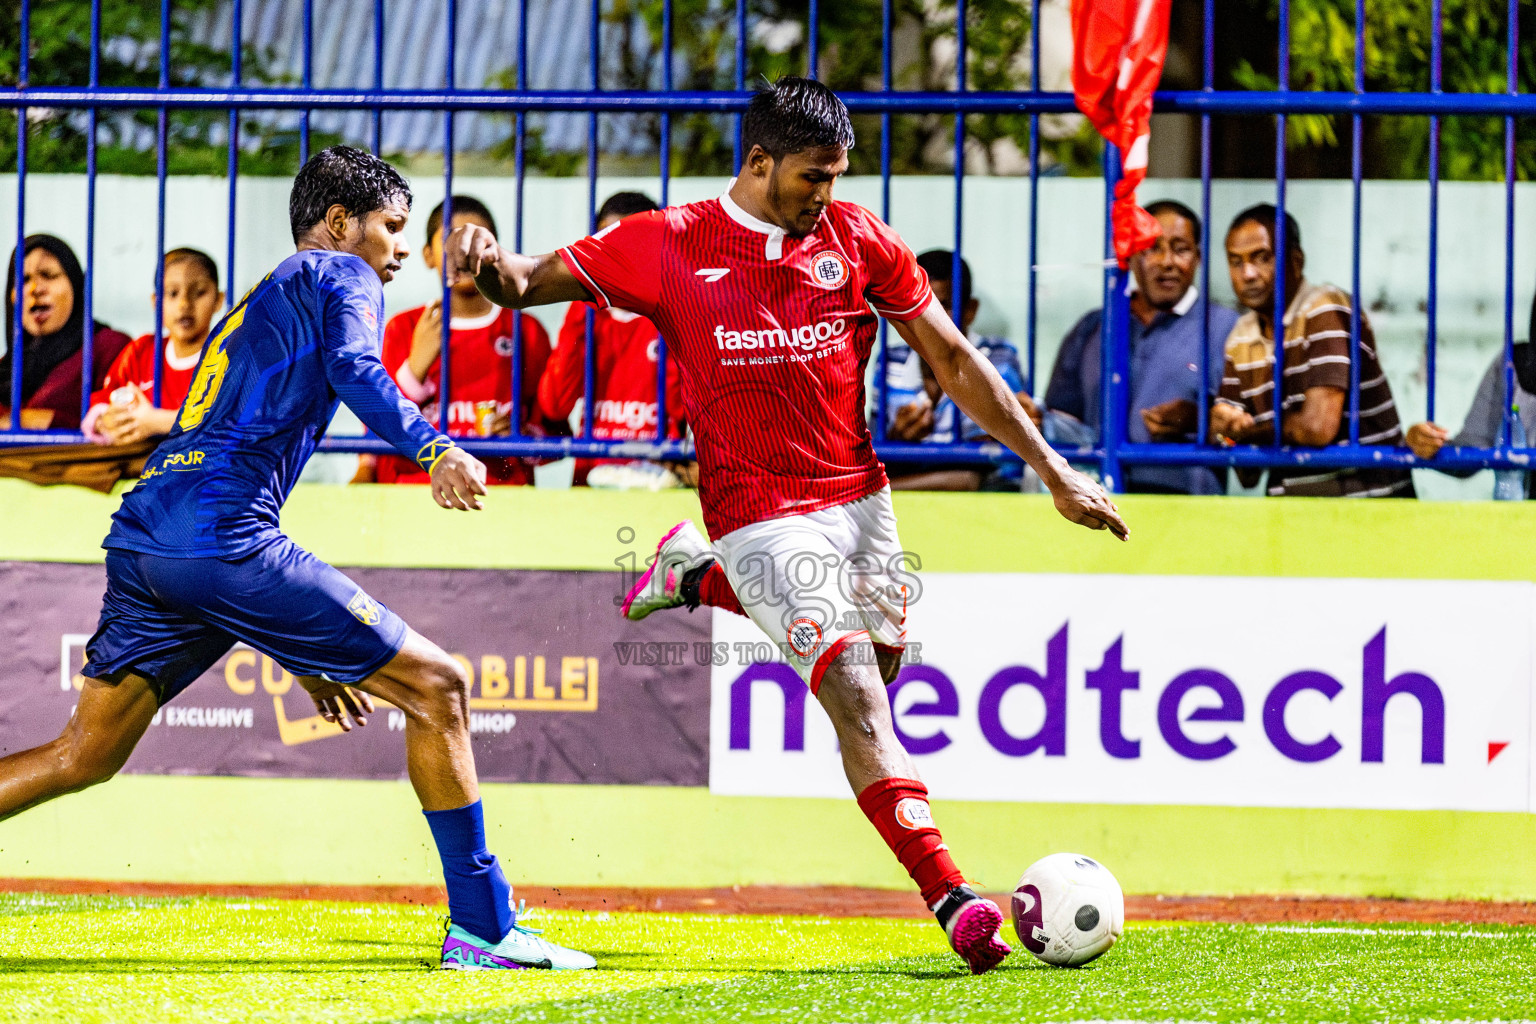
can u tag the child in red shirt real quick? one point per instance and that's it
(122, 409)
(480, 361)
(625, 347)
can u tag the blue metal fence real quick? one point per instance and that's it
(1111, 453)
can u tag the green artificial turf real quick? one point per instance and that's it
(129, 960)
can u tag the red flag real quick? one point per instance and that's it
(1118, 49)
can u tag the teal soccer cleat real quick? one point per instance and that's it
(521, 947)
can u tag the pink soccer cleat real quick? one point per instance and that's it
(972, 925)
(661, 585)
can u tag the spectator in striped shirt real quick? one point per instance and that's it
(1316, 381)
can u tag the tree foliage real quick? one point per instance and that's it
(1398, 49)
(60, 55)
(850, 58)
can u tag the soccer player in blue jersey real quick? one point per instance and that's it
(195, 559)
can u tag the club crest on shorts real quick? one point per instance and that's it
(828, 269)
(914, 813)
(804, 637)
(364, 609)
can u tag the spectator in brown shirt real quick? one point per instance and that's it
(1316, 382)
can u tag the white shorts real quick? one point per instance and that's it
(820, 582)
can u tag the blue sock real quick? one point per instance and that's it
(479, 898)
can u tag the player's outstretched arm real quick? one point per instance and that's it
(352, 305)
(508, 278)
(971, 380)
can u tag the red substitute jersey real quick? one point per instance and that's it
(625, 347)
(135, 366)
(773, 334)
(480, 365)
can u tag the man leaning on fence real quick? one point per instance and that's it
(1168, 324)
(1484, 425)
(1316, 381)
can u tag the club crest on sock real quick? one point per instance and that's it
(914, 813)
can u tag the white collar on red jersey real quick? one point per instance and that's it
(772, 249)
(474, 323)
(175, 362)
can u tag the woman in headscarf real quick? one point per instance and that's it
(52, 310)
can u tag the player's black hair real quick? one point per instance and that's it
(189, 255)
(1264, 214)
(356, 181)
(625, 204)
(461, 204)
(793, 115)
(940, 266)
(1178, 209)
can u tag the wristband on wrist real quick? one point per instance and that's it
(432, 453)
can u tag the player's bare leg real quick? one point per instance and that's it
(853, 694)
(881, 772)
(432, 690)
(107, 724)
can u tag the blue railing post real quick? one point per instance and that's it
(589, 370)
(1207, 233)
(17, 340)
(445, 291)
(1357, 166)
(1432, 303)
(883, 390)
(88, 338)
(232, 166)
(1281, 242)
(1513, 85)
(741, 77)
(665, 159)
(956, 304)
(1114, 329)
(519, 157)
(308, 56)
(377, 136)
(813, 40)
(1032, 330)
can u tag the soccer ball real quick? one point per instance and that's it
(1068, 909)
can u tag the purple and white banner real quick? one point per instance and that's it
(564, 689)
(1389, 694)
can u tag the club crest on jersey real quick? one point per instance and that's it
(503, 346)
(804, 637)
(914, 813)
(828, 269)
(364, 609)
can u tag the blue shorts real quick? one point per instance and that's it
(170, 619)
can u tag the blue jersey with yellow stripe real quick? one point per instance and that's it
(271, 375)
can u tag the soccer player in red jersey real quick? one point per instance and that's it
(122, 409)
(766, 297)
(480, 359)
(625, 348)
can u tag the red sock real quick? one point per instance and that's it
(715, 590)
(898, 808)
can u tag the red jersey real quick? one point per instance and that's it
(135, 365)
(773, 334)
(480, 363)
(625, 346)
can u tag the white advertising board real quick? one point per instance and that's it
(1392, 694)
